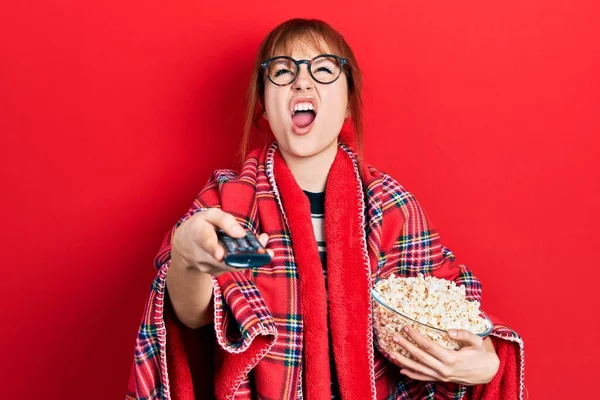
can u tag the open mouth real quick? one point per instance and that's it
(303, 115)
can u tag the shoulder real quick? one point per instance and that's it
(235, 183)
(224, 175)
(391, 188)
(247, 173)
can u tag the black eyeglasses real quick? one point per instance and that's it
(324, 68)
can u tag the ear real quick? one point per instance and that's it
(265, 115)
(348, 113)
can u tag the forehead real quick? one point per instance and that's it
(303, 47)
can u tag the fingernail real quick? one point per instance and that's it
(405, 329)
(452, 333)
(239, 230)
(396, 339)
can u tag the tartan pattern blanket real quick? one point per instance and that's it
(271, 320)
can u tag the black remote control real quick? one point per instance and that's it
(243, 252)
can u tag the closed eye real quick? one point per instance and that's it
(325, 69)
(282, 71)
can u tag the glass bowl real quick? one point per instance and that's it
(388, 322)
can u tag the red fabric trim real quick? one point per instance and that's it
(311, 280)
(348, 289)
(190, 353)
(349, 285)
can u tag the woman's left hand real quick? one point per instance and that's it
(475, 363)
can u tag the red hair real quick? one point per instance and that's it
(280, 41)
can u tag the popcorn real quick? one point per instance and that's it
(438, 303)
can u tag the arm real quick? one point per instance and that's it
(190, 292)
(414, 247)
(197, 257)
(244, 327)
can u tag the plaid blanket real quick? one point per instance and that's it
(271, 320)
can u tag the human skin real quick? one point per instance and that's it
(196, 253)
(308, 156)
(475, 363)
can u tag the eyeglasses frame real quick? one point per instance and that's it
(342, 61)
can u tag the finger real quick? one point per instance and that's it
(224, 221)
(214, 256)
(414, 365)
(418, 354)
(214, 252)
(419, 376)
(210, 243)
(263, 238)
(465, 337)
(221, 272)
(426, 344)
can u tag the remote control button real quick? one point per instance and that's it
(227, 241)
(253, 241)
(243, 244)
(229, 244)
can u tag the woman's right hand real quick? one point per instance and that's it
(196, 245)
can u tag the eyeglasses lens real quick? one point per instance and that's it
(282, 71)
(324, 69)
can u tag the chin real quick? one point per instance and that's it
(305, 146)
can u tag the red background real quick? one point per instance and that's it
(113, 114)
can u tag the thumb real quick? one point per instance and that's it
(465, 338)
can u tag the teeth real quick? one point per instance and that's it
(303, 107)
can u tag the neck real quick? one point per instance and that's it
(311, 172)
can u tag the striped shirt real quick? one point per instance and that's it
(317, 213)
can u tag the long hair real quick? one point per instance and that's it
(280, 40)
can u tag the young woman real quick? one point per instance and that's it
(300, 327)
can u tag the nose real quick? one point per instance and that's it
(303, 80)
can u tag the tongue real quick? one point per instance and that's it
(303, 119)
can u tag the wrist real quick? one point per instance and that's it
(177, 260)
(491, 367)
